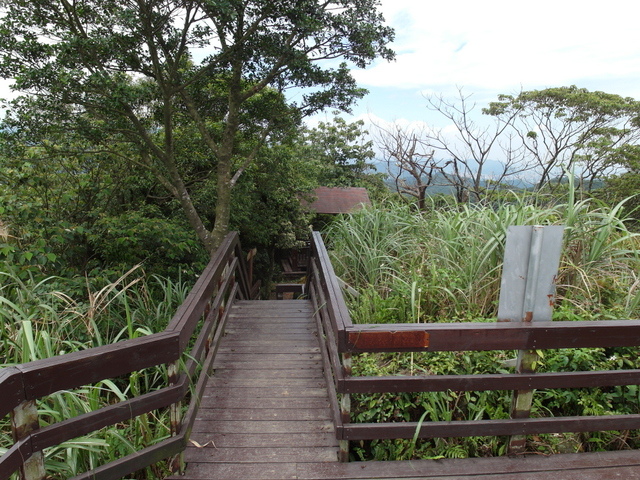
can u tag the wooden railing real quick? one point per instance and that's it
(343, 338)
(185, 344)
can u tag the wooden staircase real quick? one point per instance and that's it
(265, 410)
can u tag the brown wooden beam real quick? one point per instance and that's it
(493, 336)
(477, 383)
(12, 390)
(471, 428)
(76, 369)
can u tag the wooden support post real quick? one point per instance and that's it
(175, 414)
(345, 408)
(24, 420)
(522, 399)
(250, 256)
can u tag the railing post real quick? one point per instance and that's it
(24, 420)
(345, 408)
(175, 414)
(250, 256)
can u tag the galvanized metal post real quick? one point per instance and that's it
(527, 294)
(345, 409)
(24, 420)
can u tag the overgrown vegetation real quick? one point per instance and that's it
(443, 264)
(39, 320)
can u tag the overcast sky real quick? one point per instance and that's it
(500, 46)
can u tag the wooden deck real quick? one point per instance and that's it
(265, 415)
(266, 409)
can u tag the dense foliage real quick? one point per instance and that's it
(157, 83)
(442, 265)
(39, 319)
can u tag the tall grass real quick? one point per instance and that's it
(444, 264)
(449, 259)
(39, 320)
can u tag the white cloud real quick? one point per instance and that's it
(501, 45)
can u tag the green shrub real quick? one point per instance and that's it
(443, 265)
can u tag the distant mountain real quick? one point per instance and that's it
(493, 169)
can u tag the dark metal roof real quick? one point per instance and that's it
(339, 200)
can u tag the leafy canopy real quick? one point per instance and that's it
(135, 71)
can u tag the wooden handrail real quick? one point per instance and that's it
(342, 338)
(477, 336)
(212, 295)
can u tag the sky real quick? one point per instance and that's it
(496, 46)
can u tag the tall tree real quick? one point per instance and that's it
(341, 153)
(570, 129)
(407, 154)
(470, 158)
(135, 71)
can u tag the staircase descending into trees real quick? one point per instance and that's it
(265, 412)
(261, 389)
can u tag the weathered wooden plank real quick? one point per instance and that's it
(73, 370)
(285, 321)
(259, 440)
(289, 383)
(250, 374)
(590, 465)
(12, 390)
(243, 357)
(264, 414)
(272, 319)
(503, 335)
(222, 400)
(272, 392)
(244, 471)
(271, 427)
(439, 383)
(271, 349)
(303, 472)
(270, 315)
(283, 304)
(274, 306)
(284, 364)
(237, 333)
(367, 431)
(302, 339)
(251, 364)
(310, 372)
(262, 455)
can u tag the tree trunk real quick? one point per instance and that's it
(223, 205)
(196, 222)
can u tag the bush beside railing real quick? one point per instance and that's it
(343, 338)
(224, 279)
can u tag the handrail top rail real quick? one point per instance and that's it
(43, 377)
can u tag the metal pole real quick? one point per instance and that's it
(527, 294)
